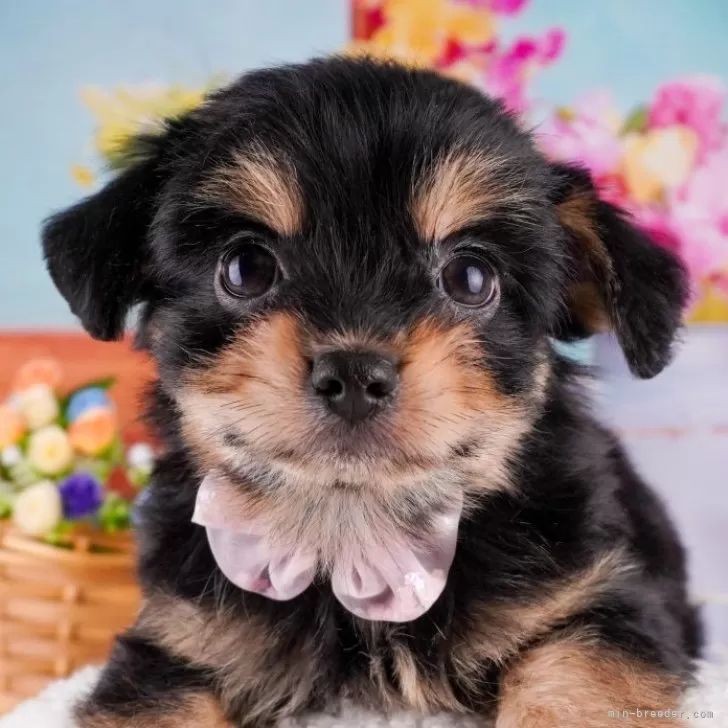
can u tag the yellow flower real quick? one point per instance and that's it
(711, 307)
(417, 31)
(658, 161)
(38, 509)
(49, 450)
(38, 405)
(82, 176)
(472, 26)
(127, 111)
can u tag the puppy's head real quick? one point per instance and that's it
(349, 275)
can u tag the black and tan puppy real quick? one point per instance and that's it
(350, 275)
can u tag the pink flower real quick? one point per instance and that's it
(588, 133)
(600, 106)
(695, 102)
(699, 212)
(508, 71)
(583, 140)
(657, 224)
(612, 188)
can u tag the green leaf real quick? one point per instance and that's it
(100, 469)
(59, 536)
(636, 121)
(115, 514)
(23, 474)
(7, 496)
(115, 452)
(139, 477)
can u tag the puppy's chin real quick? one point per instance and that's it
(361, 462)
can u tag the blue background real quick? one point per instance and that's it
(50, 49)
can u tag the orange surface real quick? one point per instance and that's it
(83, 359)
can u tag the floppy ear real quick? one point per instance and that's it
(97, 251)
(621, 281)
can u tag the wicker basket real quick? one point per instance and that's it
(60, 608)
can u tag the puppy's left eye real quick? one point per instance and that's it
(469, 280)
(250, 271)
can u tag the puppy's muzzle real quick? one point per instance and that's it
(354, 385)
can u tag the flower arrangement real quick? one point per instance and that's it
(664, 161)
(62, 462)
(460, 39)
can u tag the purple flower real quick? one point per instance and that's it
(81, 495)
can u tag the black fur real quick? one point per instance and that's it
(358, 134)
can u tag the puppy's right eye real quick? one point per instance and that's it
(250, 271)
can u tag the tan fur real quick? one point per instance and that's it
(244, 390)
(257, 388)
(575, 683)
(260, 185)
(460, 189)
(199, 710)
(420, 693)
(497, 631)
(578, 215)
(274, 680)
(277, 679)
(588, 306)
(446, 397)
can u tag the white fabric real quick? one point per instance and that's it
(52, 709)
(395, 577)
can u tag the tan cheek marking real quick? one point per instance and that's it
(499, 630)
(270, 350)
(260, 185)
(460, 189)
(441, 379)
(575, 683)
(447, 396)
(253, 387)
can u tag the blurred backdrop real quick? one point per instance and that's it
(634, 90)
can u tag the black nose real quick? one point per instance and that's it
(354, 384)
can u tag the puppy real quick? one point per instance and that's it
(380, 482)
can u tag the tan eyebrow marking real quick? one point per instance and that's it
(461, 188)
(258, 184)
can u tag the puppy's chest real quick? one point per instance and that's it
(378, 665)
(275, 661)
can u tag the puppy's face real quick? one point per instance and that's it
(362, 290)
(349, 275)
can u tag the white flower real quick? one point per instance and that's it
(38, 509)
(39, 406)
(49, 450)
(14, 401)
(11, 456)
(140, 456)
